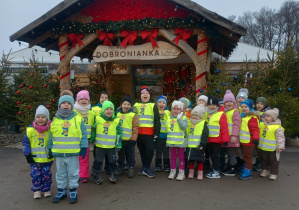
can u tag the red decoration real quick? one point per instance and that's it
(130, 37)
(106, 37)
(150, 36)
(21, 86)
(30, 87)
(59, 87)
(53, 100)
(18, 102)
(48, 106)
(18, 92)
(19, 113)
(31, 74)
(182, 34)
(29, 107)
(76, 38)
(45, 85)
(78, 80)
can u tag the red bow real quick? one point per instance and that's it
(150, 36)
(76, 38)
(106, 37)
(182, 34)
(130, 37)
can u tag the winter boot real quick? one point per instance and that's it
(73, 196)
(97, 178)
(60, 196)
(264, 173)
(172, 174)
(158, 167)
(246, 174)
(131, 173)
(191, 174)
(241, 171)
(113, 177)
(230, 171)
(273, 177)
(181, 175)
(200, 175)
(166, 165)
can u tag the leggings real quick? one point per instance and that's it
(177, 152)
(199, 165)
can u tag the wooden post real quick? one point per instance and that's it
(65, 80)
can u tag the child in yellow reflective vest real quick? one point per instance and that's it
(272, 143)
(36, 152)
(242, 96)
(107, 134)
(97, 109)
(82, 108)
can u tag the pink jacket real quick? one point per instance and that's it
(236, 126)
(279, 135)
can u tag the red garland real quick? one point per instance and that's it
(76, 38)
(106, 37)
(130, 37)
(182, 34)
(150, 36)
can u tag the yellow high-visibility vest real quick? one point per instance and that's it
(194, 133)
(267, 137)
(164, 116)
(126, 120)
(229, 116)
(38, 145)
(175, 135)
(106, 133)
(66, 135)
(214, 124)
(97, 110)
(244, 133)
(88, 120)
(145, 114)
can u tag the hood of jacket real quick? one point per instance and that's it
(253, 113)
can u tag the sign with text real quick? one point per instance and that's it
(137, 52)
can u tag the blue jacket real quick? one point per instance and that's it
(26, 144)
(83, 143)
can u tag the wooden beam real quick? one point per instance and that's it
(40, 38)
(227, 33)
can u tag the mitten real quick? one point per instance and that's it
(225, 144)
(180, 115)
(29, 158)
(50, 155)
(255, 142)
(233, 139)
(83, 152)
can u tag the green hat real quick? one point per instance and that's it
(107, 104)
(263, 100)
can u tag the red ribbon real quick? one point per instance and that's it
(182, 34)
(106, 37)
(76, 38)
(130, 37)
(67, 74)
(150, 36)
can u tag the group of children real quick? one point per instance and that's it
(194, 136)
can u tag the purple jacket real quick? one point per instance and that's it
(236, 126)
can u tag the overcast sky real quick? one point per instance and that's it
(15, 14)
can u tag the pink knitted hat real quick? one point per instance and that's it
(229, 96)
(83, 94)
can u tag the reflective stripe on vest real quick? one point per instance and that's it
(88, 120)
(244, 134)
(106, 132)
(229, 116)
(213, 124)
(145, 114)
(38, 144)
(126, 120)
(175, 135)
(164, 116)
(194, 133)
(267, 137)
(66, 135)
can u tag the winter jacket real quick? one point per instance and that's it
(236, 127)
(157, 125)
(279, 134)
(183, 123)
(253, 127)
(135, 123)
(83, 142)
(224, 134)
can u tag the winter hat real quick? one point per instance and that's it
(83, 94)
(107, 104)
(199, 110)
(145, 88)
(66, 92)
(273, 113)
(203, 97)
(220, 101)
(243, 93)
(212, 100)
(263, 100)
(65, 98)
(186, 101)
(229, 96)
(162, 98)
(41, 109)
(248, 103)
(177, 103)
(127, 98)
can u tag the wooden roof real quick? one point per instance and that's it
(39, 31)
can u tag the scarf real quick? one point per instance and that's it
(193, 121)
(64, 113)
(82, 109)
(41, 128)
(212, 112)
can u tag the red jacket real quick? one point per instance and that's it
(253, 127)
(224, 134)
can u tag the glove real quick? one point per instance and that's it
(200, 147)
(50, 155)
(255, 142)
(29, 158)
(233, 139)
(180, 115)
(83, 152)
(225, 144)
(132, 142)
